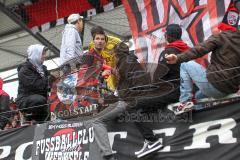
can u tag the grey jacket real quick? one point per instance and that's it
(71, 46)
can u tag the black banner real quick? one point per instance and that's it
(65, 140)
(211, 134)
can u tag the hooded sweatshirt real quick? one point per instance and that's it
(71, 47)
(32, 74)
(34, 56)
(175, 47)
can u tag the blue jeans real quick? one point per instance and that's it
(192, 72)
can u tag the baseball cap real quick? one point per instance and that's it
(74, 17)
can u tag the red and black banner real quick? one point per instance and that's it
(79, 93)
(149, 18)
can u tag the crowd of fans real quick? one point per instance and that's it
(176, 56)
(10, 117)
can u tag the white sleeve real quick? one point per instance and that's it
(71, 43)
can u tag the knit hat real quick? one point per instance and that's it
(174, 31)
(121, 48)
(231, 18)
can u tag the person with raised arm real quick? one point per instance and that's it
(222, 76)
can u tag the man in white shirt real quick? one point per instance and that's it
(71, 47)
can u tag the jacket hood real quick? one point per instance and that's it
(35, 54)
(179, 44)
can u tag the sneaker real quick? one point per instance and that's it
(183, 107)
(143, 148)
(149, 147)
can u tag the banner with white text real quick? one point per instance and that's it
(209, 134)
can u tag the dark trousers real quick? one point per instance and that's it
(100, 125)
(152, 106)
(34, 106)
(4, 111)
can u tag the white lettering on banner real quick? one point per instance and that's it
(86, 156)
(80, 133)
(67, 146)
(47, 144)
(71, 146)
(75, 155)
(91, 134)
(63, 143)
(62, 126)
(58, 143)
(75, 112)
(111, 136)
(167, 132)
(20, 151)
(202, 132)
(42, 146)
(85, 137)
(37, 147)
(5, 151)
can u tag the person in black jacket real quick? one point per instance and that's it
(174, 45)
(4, 106)
(33, 84)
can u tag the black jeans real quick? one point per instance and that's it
(150, 106)
(35, 106)
(5, 115)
